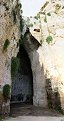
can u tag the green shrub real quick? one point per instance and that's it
(34, 22)
(37, 16)
(14, 66)
(30, 25)
(6, 91)
(49, 39)
(6, 44)
(57, 7)
(45, 19)
(1, 119)
(41, 41)
(20, 5)
(21, 11)
(49, 14)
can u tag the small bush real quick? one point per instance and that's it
(6, 91)
(30, 25)
(41, 41)
(34, 22)
(14, 66)
(45, 19)
(57, 7)
(49, 39)
(1, 119)
(37, 17)
(6, 44)
(49, 14)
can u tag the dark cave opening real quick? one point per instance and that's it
(22, 85)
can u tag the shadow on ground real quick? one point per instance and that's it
(30, 110)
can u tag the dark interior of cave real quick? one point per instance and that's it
(22, 85)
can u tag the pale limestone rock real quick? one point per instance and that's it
(52, 56)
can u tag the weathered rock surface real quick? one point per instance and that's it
(50, 22)
(46, 55)
(9, 30)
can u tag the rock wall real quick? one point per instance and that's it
(10, 32)
(34, 51)
(53, 53)
(51, 24)
(39, 83)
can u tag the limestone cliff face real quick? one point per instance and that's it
(49, 22)
(9, 38)
(53, 53)
(9, 30)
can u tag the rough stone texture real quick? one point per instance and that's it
(47, 60)
(35, 55)
(8, 30)
(52, 55)
(39, 80)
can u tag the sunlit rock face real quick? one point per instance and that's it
(50, 22)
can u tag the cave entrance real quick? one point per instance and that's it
(22, 85)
